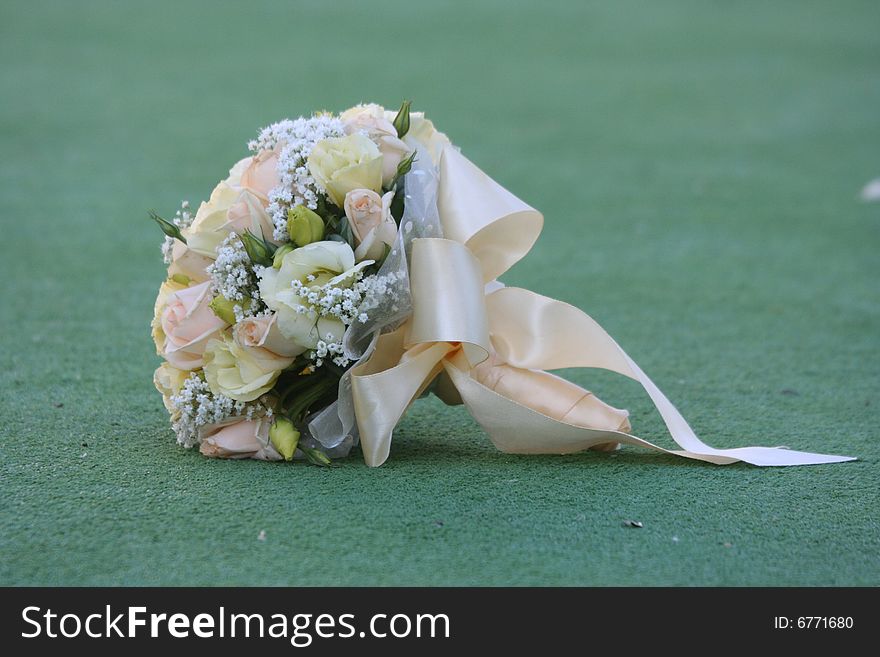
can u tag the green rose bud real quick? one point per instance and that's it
(259, 250)
(170, 229)
(225, 309)
(401, 121)
(304, 226)
(279, 255)
(284, 437)
(183, 279)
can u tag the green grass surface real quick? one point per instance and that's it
(698, 164)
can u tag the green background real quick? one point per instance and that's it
(699, 165)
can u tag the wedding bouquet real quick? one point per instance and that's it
(349, 266)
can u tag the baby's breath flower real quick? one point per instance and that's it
(183, 218)
(235, 278)
(195, 406)
(297, 186)
(347, 304)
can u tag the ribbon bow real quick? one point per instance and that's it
(487, 346)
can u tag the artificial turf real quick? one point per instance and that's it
(698, 164)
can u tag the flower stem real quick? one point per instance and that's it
(302, 403)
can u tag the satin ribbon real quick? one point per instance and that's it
(488, 347)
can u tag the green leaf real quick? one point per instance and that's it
(316, 456)
(328, 212)
(170, 229)
(322, 386)
(401, 121)
(345, 231)
(397, 204)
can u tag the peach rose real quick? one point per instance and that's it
(369, 216)
(248, 213)
(393, 152)
(262, 173)
(363, 207)
(238, 438)
(188, 323)
(168, 287)
(370, 118)
(263, 332)
(189, 263)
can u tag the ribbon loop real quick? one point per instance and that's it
(448, 297)
(476, 211)
(491, 346)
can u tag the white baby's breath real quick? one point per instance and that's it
(297, 186)
(183, 218)
(195, 406)
(347, 304)
(235, 278)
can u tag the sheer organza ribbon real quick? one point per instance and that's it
(487, 346)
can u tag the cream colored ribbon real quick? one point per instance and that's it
(489, 350)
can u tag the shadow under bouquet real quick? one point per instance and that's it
(349, 266)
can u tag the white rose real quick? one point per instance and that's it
(370, 118)
(327, 262)
(237, 171)
(394, 151)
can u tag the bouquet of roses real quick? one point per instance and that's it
(349, 266)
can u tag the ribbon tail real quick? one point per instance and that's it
(382, 393)
(695, 448)
(535, 332)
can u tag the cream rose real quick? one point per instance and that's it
(208, 229)
(341, 164)
(372, 120)
(262, 173)
(238, 438)
(263, 332)
(237, 171)
(328, 263)
(188, 324)
(169, 381)
(369, 216)
(230, 209)
(241, 373)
